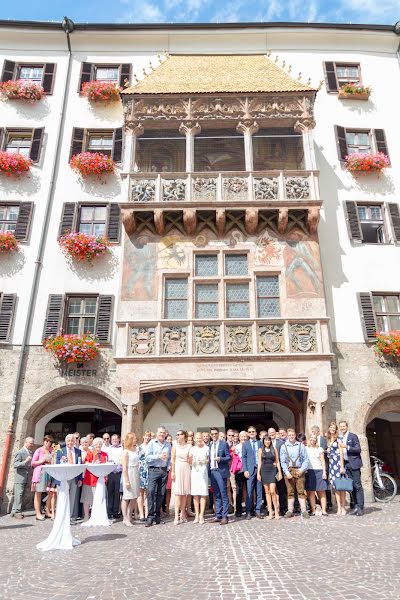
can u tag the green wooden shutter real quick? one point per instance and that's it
(24, 221)
(54, 316)
(368, 316)
(104, 319)
(7, 309)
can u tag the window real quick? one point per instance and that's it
(206, 265)
(372, 224)
(206, 301)
(107, 74)
(31, 73)
(92, 220)
(176, 298)
(237, 300)
(219, 150)
(347, 73)
(161, 151)
(268, 297)
(100, 141)
(277, 148)
(81, 315)
(8, 218)
(18, 142)
(358, 142)
(387, 311)
(236, 264)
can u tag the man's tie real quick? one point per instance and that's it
(70, 457)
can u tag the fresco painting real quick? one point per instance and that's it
(139, 278)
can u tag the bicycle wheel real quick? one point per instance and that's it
(388, 492)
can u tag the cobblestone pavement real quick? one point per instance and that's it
(319, 559)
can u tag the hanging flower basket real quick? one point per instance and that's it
(82, 246)
(92, 164)
(8, 242)
(71, 348)
(14, 163)
(100, 91)
(387, 346)
(22, 89)
(354, 91)
(367, 163)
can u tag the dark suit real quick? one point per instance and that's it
(281, 485)
(22, 469)
(250, 464)
(353, 466)
(323, 443)
(219, 477)
(73, 484)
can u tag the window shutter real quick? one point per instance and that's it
(8, 70)
(104, 313)
(368, 316)
(341, 142)
(48, 77)
(330, 77)
(68, 218)
(7, 309)
(78, 135)
(24, 221)
(1, 138)
(36, 145)
(117, 145)
(380, 140)
(114, 218)
(353, 223)
(54, 315)
(125, 75)
(86, 74)
(394, 212)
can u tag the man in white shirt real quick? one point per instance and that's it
(114, 453)
(106, 443)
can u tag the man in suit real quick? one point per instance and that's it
(219, 473)
(22, 464)
(280, 485)
(323, 443)
(250, 461)
(350, 445)
(71, 454)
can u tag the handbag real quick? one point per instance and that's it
(236, 465)
(343, 484)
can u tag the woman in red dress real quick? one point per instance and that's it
(89, 480)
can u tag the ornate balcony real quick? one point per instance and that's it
(223, 338)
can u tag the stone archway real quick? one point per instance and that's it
(382, 430)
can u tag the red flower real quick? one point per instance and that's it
(22, 89)
(72, 348)
(358, 162)
(14, 163)
(388, 344)
(8, 242)
(83, 246)
(92, 163)
(100, 91)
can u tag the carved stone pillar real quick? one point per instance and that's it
(132, 131)
(133, 418)
(189, 129)
(305, 127)
(248, 129)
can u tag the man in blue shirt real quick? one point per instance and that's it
(294, 463)
(158, 458)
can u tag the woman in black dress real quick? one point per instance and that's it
(269, 471)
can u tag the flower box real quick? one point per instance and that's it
(14, 163)
(387, 345)
(90, 164)
(71, 348)
(82, 246)
(22, 89)
(367, 163)
(354, 91)
(8, 242)
(100, 91)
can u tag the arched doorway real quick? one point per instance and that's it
(85, 420)
(383, 432)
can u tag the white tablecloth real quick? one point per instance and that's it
(60, 537)
(99, 516)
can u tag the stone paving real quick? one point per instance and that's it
(346, 558)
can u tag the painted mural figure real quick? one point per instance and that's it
(301, 258)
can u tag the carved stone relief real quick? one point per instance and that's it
(143, 190)
(207, 340)
(235, 188)
(204, 189)
(303, 338)
(174, 190)
(238, 339)
(265, 188)
(142, 340)
(174, 340)
(270, 338)
(297, 188)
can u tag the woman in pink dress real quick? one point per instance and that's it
(180, 475)
(41, 456)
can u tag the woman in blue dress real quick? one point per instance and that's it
(143, 475)
(336, 466)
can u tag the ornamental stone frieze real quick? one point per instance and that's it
(143, 190)
(297, 188)
(235, 188)
(238, 339)
(303, 338)
(270, 339)
(142, 340)
(204, 189)
(174, 340)
(174, 190)
(265, 188)
(207, 340)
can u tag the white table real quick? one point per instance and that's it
(99, 509)
(60, 537)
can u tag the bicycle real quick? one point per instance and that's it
(384, 486)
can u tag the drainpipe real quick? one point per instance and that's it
(68, 27)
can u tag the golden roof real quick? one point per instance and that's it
(210, 74)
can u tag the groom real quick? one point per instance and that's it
(219, 474)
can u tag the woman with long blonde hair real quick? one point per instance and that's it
(336, 466)
(130, 477)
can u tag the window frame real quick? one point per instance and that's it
(382, 221)
(7, 207)
(341, 81)
(93, 221)
(100, 133)
(22, 65)
(81, 316)
(106, 66)
(264, 275)
(356, 147)
(175, 276)
(381, 314)
(16, 132)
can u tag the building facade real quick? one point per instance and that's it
(249, 269)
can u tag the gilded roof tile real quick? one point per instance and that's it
(210, 74)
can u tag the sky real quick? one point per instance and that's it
(204, 11)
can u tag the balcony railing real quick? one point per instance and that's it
(225, 337)
(257, 188)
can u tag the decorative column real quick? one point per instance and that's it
(132, 420)
(189, 129)
(248, 129)
(133, 130)
(305, 127)
(317, 396)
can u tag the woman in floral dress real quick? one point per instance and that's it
(336, 466)
(143, 475)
